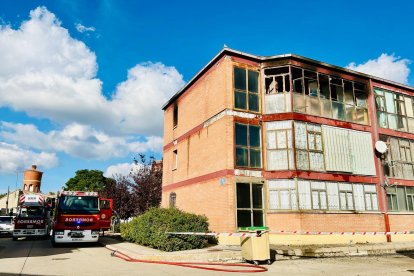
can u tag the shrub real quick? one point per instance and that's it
(149, 229)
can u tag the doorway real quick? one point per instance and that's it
(249, 204)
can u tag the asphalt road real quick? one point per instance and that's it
(38, 257)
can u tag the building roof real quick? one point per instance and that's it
(256, 58)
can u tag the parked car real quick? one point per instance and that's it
(6, 225)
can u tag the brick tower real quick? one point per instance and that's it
(32, 180)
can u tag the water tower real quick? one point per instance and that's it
(32, 178)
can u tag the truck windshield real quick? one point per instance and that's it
(78, 205)
(31, 212)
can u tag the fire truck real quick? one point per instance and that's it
(33, 217)
(80, 216)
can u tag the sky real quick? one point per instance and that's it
(82, 83)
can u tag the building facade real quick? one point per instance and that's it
(289, 143)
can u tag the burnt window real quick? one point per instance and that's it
(246, 89)
(277, 80)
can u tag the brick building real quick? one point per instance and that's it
(289, 142)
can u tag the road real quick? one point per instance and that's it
(38, 257)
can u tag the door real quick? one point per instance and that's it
(249, 204)
(105, 213)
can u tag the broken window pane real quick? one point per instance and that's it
(297, 80)
(324, 86)
(348, 92)
(361, 98)
(311, 83)
(338, 111)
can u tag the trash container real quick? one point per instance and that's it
(256, 248)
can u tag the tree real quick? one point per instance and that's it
(134, 194)
(147, 183)
(88, 180)
(124, 203)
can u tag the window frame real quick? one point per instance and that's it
(247, 92)
(248, 146)
(251, 208)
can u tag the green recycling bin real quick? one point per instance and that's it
(255, 248)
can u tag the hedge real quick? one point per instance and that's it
(149, 229)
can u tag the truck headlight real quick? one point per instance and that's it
(93, 232)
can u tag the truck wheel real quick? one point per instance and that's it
(52, 240)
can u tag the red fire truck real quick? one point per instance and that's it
(33, 217)
(79, 217)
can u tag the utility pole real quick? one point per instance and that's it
(7, 201)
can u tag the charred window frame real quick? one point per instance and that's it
(277, 80)
(394, 111)
(400, 160)
(309, 147)
(248, 146)
(329, 96)
(246, 89)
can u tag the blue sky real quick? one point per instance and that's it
(82, 82)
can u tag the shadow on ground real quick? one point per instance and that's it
(36, 247)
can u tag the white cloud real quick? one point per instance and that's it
(13, 158)
(121, 169)
(385, 66)
(80, 28)
(48, 74)
(78, 140)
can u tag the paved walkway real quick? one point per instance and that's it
(220, 253)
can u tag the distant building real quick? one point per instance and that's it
(289, 142)
(32, 180)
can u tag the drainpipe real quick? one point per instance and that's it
(380, 170)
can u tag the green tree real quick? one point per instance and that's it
(88, 180)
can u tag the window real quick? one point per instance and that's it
(400, 198)
(328, 96)
(394, 111)
(282, 195)
(173, 199)
(246, 89)
(346, 200)
(371, 198)
(288, 194)
(319, 195)
(175, 159)
(400, 160)
(279, 146)
(277, 87)
(309, 147)
(248, 146)
(249, 204)
(175, 115)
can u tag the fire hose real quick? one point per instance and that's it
(197, 265)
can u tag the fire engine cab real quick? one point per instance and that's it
(79, 216)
